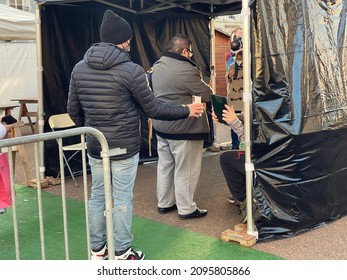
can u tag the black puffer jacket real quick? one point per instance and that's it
(106, 91)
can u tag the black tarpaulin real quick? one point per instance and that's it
(299, 59)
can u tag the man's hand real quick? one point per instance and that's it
(195, 109)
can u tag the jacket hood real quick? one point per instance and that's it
(104, 56)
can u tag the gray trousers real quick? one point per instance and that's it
(178, 173)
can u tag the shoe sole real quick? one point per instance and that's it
(182, 218)
(188, 218)
(143, 257)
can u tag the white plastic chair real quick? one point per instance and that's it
(63, 121)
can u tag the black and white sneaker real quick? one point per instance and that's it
(102, 254)
(242, 211)
(130, 254)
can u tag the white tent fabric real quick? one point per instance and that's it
(18, 73)
(18, 58)
(16, 24)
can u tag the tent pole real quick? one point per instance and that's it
(213, 54)
(40, 112)
(247, 99)
(213, 65)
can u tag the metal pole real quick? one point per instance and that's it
(247, 99)
(213, 54)
(40, 112)
(213, 64)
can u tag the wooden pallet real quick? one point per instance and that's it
(53, 181)
(239, 234)
(45, 183)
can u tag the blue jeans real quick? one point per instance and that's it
(123, 174)
(235, 142)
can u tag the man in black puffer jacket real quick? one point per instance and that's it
(106, 91)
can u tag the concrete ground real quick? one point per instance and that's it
(328, 242)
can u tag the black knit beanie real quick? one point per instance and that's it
(236, 44)
(114, 29)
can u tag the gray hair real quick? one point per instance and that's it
(178, 43)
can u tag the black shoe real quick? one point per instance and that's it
(196, 214)
(231, 199)
(164, 210)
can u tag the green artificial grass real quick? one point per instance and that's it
(158, 241)
(163, 242)
(29, 231)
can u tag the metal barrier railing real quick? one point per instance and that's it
(105, 154)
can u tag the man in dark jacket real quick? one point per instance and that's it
(106, 91)
(176, 79)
